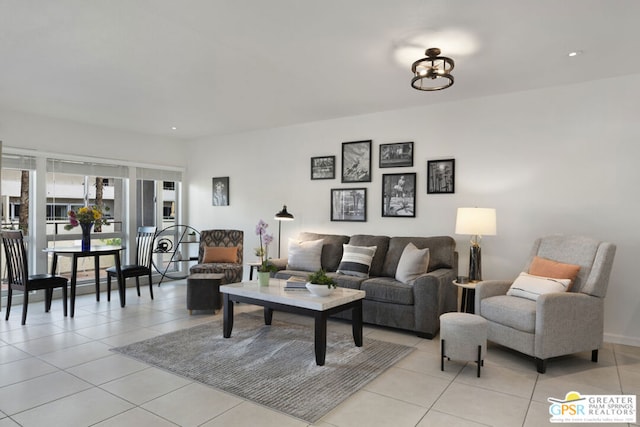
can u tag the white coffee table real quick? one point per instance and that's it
(274, 297)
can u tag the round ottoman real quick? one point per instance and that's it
(463, 336)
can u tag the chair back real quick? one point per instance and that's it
(594, 257)
(17, 267)
(144, 245)
(226, 238)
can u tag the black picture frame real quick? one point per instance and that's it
(323, 167)
(399, 195)
(220, 191)
(356, 161)
(441, 176)
(396, 155)
(349, 204)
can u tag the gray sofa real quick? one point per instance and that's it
(389, 302)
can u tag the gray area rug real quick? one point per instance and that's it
(270, 365)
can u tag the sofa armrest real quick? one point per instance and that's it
(568, 322)
(434, 294)
(492, 288)
(280, 263)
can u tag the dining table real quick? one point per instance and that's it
(76, 252)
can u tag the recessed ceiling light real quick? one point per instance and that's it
(173, 128)
(574, 53)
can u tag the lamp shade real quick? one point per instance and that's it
(283, 215)
(476, 221)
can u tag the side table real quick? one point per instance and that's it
(253, 266)
(467, 305)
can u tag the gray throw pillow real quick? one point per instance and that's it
(413, 263)
(305, 255)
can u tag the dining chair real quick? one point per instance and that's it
(20, 280)
(142, 267)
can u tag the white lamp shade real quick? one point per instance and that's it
(476, 221)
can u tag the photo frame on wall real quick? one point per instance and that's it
(396, 155)
(356, 161)
(220, 191)
(399, 195)
(349, 204)
(441, 176)
(323, 167)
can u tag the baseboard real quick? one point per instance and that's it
(622, 339)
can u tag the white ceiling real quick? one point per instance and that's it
(223, 66)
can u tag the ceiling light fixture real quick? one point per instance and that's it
(433, 72)
(173, 128)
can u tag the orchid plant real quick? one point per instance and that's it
(263, 250)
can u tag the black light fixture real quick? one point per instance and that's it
(433, 72)
(283, 215)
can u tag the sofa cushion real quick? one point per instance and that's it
(385, 289)
(382, 245)
(441, 252)
(413, 263)
(356, 260)
(517, 313)
(531, 287)
(305, 255)
(344, 281)
(331, 250)
(220, 254)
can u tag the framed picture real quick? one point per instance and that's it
(441, 176)
(349, 204)
(356, 161)
(221, 191)
(399, 195)
(396, 155)
(323, 167)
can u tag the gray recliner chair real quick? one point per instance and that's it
(556, 324)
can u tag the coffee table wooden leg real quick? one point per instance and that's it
(356, 326)
(320, 338)
(227, 317)
(268, 315)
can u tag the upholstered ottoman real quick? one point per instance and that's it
(463, 336)
(203, 291)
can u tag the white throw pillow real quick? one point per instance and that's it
(356, 260)
(531, 287)
(305, 255)
(413, 262)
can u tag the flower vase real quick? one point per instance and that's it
(86, 236)
(263, 278)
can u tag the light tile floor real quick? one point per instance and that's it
(58, 371)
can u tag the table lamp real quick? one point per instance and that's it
(283, 215)
(476, 222)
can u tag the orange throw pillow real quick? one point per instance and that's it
(554, 269)
(220, 254)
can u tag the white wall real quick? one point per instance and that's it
(26, 131)
(560, 160)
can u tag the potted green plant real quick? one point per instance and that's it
(319, 284)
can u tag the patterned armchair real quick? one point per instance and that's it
(221, 251)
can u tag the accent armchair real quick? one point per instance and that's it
(221, 251)
(558, 323)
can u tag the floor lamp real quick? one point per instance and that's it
(476, 222)
(283, 215)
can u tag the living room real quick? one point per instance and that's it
(558, 159)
